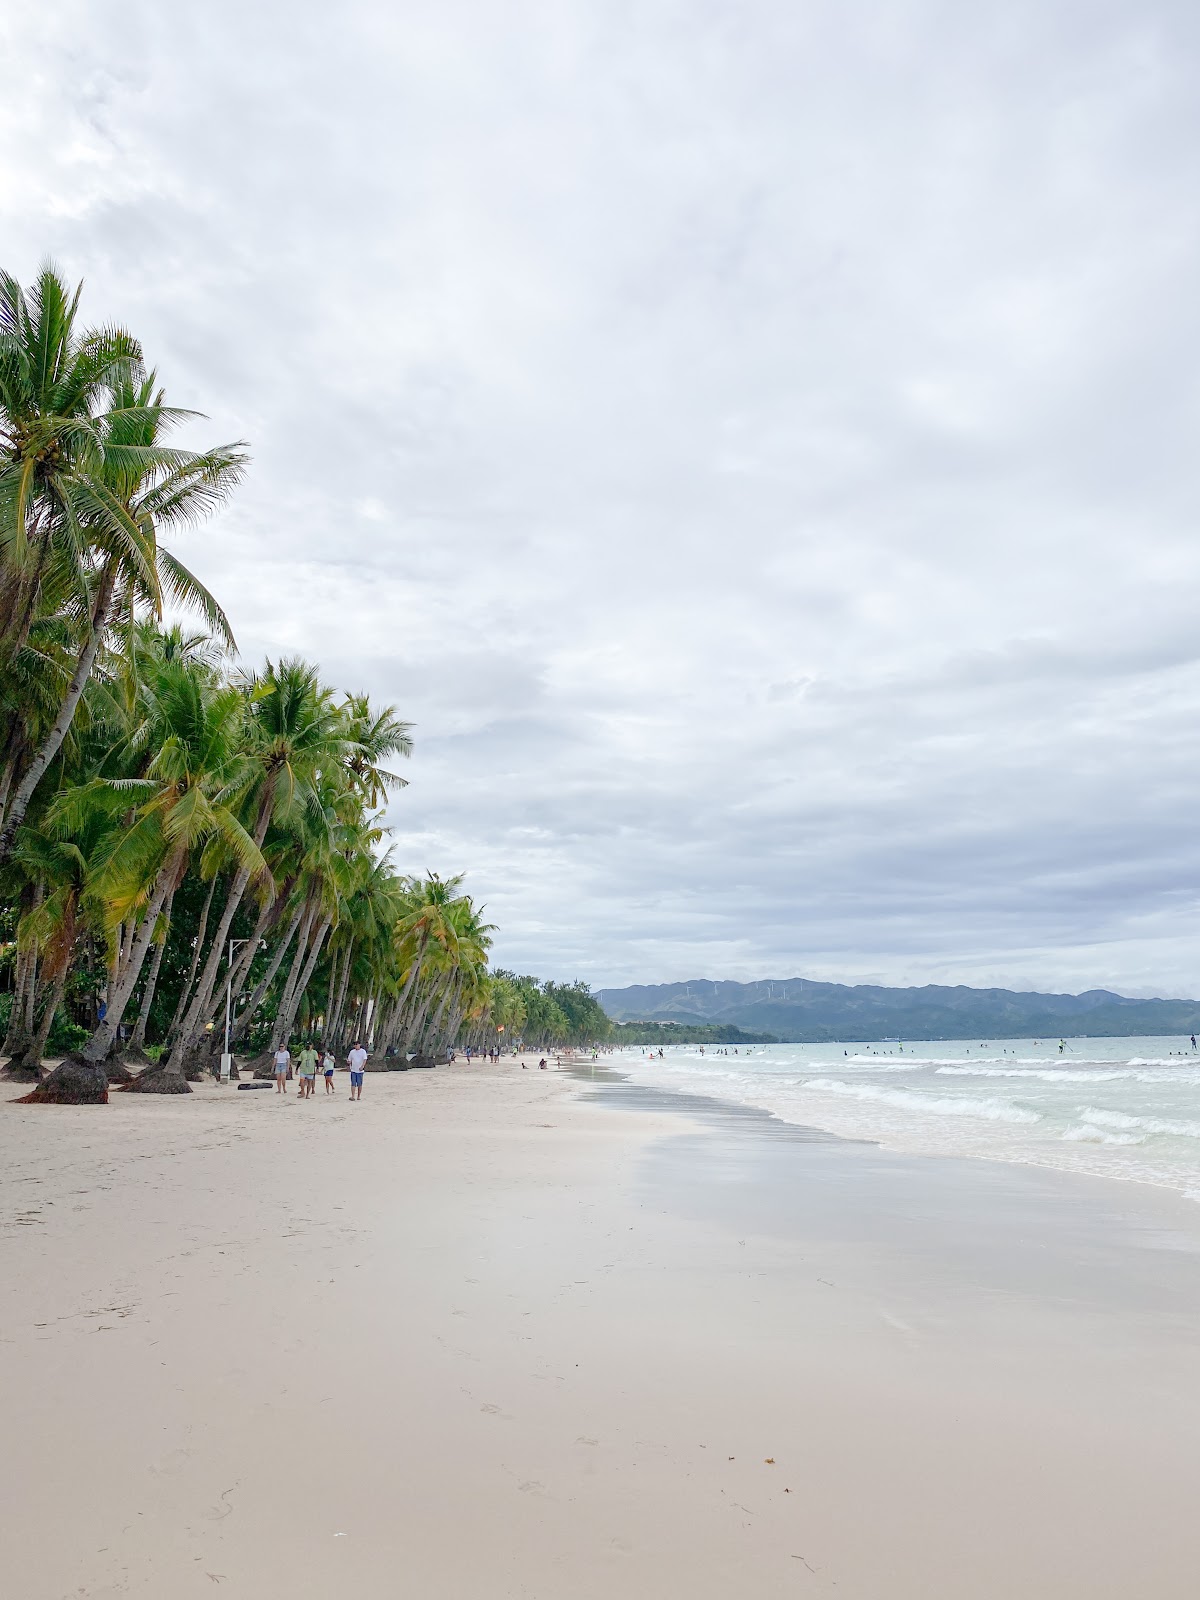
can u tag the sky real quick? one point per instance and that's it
(754, 443)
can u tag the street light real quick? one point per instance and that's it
(227, 1058)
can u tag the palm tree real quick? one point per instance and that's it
(135, 772)
(374, 737)
(197, 766)
(133, 483)
(54, 387)
(63, 863)
(294, 732)
(439, 958)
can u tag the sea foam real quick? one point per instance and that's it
(906, 1100)
(1172, 1127)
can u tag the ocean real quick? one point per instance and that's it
(1116, 1108)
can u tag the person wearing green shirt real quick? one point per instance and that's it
(308, 1071)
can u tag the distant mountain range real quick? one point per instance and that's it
(801, 1011)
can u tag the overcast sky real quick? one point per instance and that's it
(756, 443)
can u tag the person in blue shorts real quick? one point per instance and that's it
(358, 1062)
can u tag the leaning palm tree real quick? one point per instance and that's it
(63, 861)
(55, 381)
(293, 733)
(182, 802)
(134, 488)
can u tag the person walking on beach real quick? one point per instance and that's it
(308, 1072)
(358, 1064)
(283, 1060)
(328, 1063)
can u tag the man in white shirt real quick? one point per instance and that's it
(283, 1060)
(358, 1061)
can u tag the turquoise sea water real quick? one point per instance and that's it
(1123, 1108)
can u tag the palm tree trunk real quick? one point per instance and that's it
(138, 1040)
(18, 619)
(379, 1019)
(403, 998)
(100, 1043)
(417, 1022)
(282, 1020)
(373, 1024)
(264, 983)
(383, 1034)
(334, 1027)
(20, 1016)
(448, 993)
(6, 778)
(395, 1017)
(52, 743)
(32, 1059)
(242, 964)
(298, 992)
(335, 975)
(201, 930)
(452, 1026)
(14, 1034)
(31, 991)
(114, 960)
(198, 1009)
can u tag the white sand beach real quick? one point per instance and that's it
(495, 1333)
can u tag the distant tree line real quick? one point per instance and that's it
(523, 1009)
(665, 1033)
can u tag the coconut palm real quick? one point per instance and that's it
(55, 383)
(373, 737)
(293, 733)
(182, 802)
(133, 483)
(63, 862)
(151, 804)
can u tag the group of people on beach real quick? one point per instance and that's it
(311, 1061)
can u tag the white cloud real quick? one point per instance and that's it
(755, 444)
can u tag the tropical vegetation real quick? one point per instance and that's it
(523, 1010)
(668, 1033)
(187, 847)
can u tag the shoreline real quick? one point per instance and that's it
(505, 1335)
(1088, 1152)
(687, 1097)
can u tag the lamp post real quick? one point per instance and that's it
(234, 944)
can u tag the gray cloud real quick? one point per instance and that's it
(754, 444)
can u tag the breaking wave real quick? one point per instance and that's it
(1085, 1133)
(906, 1100)
(1172, 1127)
(1103, 1074)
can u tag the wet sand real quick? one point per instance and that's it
(497, 1333)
